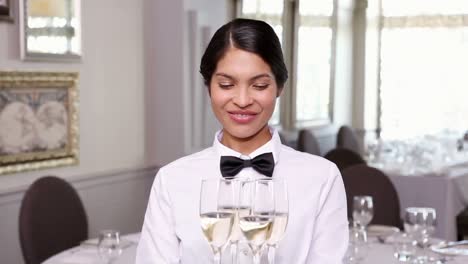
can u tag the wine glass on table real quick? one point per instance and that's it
(363, 210)
(420, 224)
(280, 219)
(257, 225)
(216, 223)
(109, 246)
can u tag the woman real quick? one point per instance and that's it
(244, 71)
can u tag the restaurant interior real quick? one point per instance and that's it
(379, 87)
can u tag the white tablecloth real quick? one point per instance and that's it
(447, 192)
(376, 253)
(384, 254)
(89, 255)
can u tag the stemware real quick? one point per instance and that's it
(403, 247)
(226, 204)
(218, 202)
(280, 220)
(363, 210)
(357, 247)
(109, 247)
(257, 225)
(420, 225)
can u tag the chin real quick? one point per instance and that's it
(243, 132)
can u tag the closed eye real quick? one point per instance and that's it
(261, 86)
(225, 85)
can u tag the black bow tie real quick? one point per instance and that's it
(231, 166)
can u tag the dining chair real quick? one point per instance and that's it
(347, 138)
(52, 219)
(462, 225)
(307, 142)
(364, 180)
(344, 158)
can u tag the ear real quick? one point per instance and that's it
(280, 91)
(208, 88)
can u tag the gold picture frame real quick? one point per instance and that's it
(38, 120)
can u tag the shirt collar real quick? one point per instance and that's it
(273, 146)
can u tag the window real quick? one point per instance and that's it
(306, 31)
(51, 27)
(424, 59)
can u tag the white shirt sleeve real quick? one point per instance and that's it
(158, 243)
(330, 237)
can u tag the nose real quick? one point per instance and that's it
(242, 98)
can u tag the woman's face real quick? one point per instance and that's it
(243, 94)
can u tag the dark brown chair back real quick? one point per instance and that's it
(344, 158)
(52, 219)
(364, 180)
(348, 139)
(307, 142)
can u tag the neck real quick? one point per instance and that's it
(245, 146)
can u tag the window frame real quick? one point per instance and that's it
(393, 20)
(288, 108)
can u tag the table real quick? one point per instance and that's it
(446, 191)
(383, 254)
(89, 254)
(377, 253)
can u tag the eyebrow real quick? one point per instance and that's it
(258, 76)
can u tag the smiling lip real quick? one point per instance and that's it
(242, 117)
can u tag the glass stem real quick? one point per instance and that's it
(234, 249)
(257, 255)
(271, 254)
(217, 255)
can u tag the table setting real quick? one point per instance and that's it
(386, 244)
(109, 248)
(427, 171)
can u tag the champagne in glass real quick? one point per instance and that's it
(280, 222)
(257, 226)
(217, 227)
(216, 224)
(363, 210)
(280, 218)
(225, 204)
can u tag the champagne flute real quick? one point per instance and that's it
(363, 210)
(280, 220)
(226, 204)
(257, 226)
(216, 224)
(420, 224)
(109, 247)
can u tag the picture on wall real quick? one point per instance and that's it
(38, 120)
(6, 10)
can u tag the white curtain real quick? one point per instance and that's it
(424, 67)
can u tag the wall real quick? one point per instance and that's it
(112, 173)
(111, 109)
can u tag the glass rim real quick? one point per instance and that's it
(420, 209)
(109, 232)
(362, 196)
(226, 179)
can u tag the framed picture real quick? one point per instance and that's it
(38, 120)
(6, 10)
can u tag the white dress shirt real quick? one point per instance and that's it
(317, 230)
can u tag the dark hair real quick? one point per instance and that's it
(250, 35)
